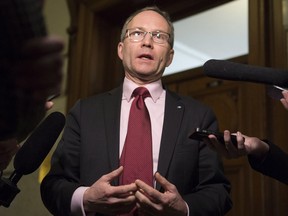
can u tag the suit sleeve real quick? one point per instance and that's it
(211, 193)
(194, 169)
(275, 164)
(60, 183)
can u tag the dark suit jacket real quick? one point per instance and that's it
(275, 164)
(90, 148)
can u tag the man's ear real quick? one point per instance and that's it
(120, 50)
(170, 57)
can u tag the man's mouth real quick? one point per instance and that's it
(146, 56)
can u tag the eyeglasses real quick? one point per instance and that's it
(138, 35)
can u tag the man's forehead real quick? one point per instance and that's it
(144, 19)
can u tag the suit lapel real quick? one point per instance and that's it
(174, 110)
(112, 108)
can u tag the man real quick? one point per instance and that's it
(87, 171)
(263, 156)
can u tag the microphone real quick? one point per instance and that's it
(228, 70)
(31, 155)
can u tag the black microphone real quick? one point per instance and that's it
(227, 70)
(31, 155)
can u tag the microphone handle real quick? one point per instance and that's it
(8, 191)
(15, 177)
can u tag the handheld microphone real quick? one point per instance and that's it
(228, 70)
(31, 155)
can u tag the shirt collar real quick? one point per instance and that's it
(155, 89)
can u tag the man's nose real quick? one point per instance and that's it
(147, 40)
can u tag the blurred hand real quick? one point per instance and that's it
(152, 202)
(49, 105)
(104, 198)
(40, 70)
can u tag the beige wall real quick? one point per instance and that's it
(28, 201)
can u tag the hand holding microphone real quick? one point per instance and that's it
(31, 155)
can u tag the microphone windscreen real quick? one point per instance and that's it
(39, 143)
(227, 70)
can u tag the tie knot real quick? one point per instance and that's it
(141, 91)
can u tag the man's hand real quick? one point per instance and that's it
(152, 202)
(104, 198)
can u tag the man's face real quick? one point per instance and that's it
(145, 61)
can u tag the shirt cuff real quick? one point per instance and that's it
(77, 207)
(188, 212)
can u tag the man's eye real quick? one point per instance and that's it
(157, 35)
(137, 33)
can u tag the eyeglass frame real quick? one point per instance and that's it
(151, 35)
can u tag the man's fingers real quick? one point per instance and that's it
(163, 182)
(115, 173)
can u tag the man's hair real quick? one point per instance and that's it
(164, 14)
